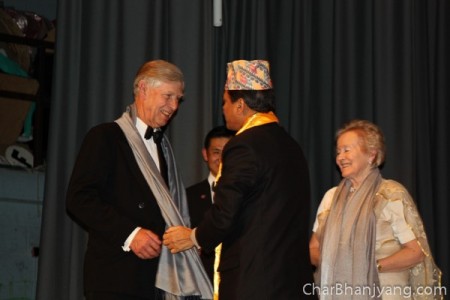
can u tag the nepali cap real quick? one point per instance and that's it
(248, 75)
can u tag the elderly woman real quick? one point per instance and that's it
(368, 239)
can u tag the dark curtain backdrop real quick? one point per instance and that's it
(332, 61)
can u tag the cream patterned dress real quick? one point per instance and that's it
(398, 222)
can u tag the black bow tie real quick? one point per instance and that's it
(157, 134)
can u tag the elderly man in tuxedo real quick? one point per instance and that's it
(125, 190)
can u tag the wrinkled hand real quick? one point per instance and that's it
(146, 244)
(177, 239)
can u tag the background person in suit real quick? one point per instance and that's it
(123, 178)
(261, 203)
(200, 195)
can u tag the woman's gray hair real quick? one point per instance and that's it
(371, 137)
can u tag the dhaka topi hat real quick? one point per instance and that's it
(248, 75)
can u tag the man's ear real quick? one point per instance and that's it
(240, 103)
(142, 86)
(204, 154)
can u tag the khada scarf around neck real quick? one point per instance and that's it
(347, 241)
(182, 274)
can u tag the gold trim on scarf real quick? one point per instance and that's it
(256, 119)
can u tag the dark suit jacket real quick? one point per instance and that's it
(261, 216)
(109, 197)
(199, 201)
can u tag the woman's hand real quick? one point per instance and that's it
(410, 255)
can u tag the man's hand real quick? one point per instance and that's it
(177, 239)
(146, 244)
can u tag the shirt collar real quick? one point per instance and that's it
(211, 178)
(141, 127)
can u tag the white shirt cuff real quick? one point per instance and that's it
(194, 239)
(126, 245)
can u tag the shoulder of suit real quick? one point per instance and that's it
(111, 127)
(109, 133)
(198, 184)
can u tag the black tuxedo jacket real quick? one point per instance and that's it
(199, 201)
(109, 197)
(261, 215)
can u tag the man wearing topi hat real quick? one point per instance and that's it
(261, 205)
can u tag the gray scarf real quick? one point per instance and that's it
(347, 241)
(182, 274)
